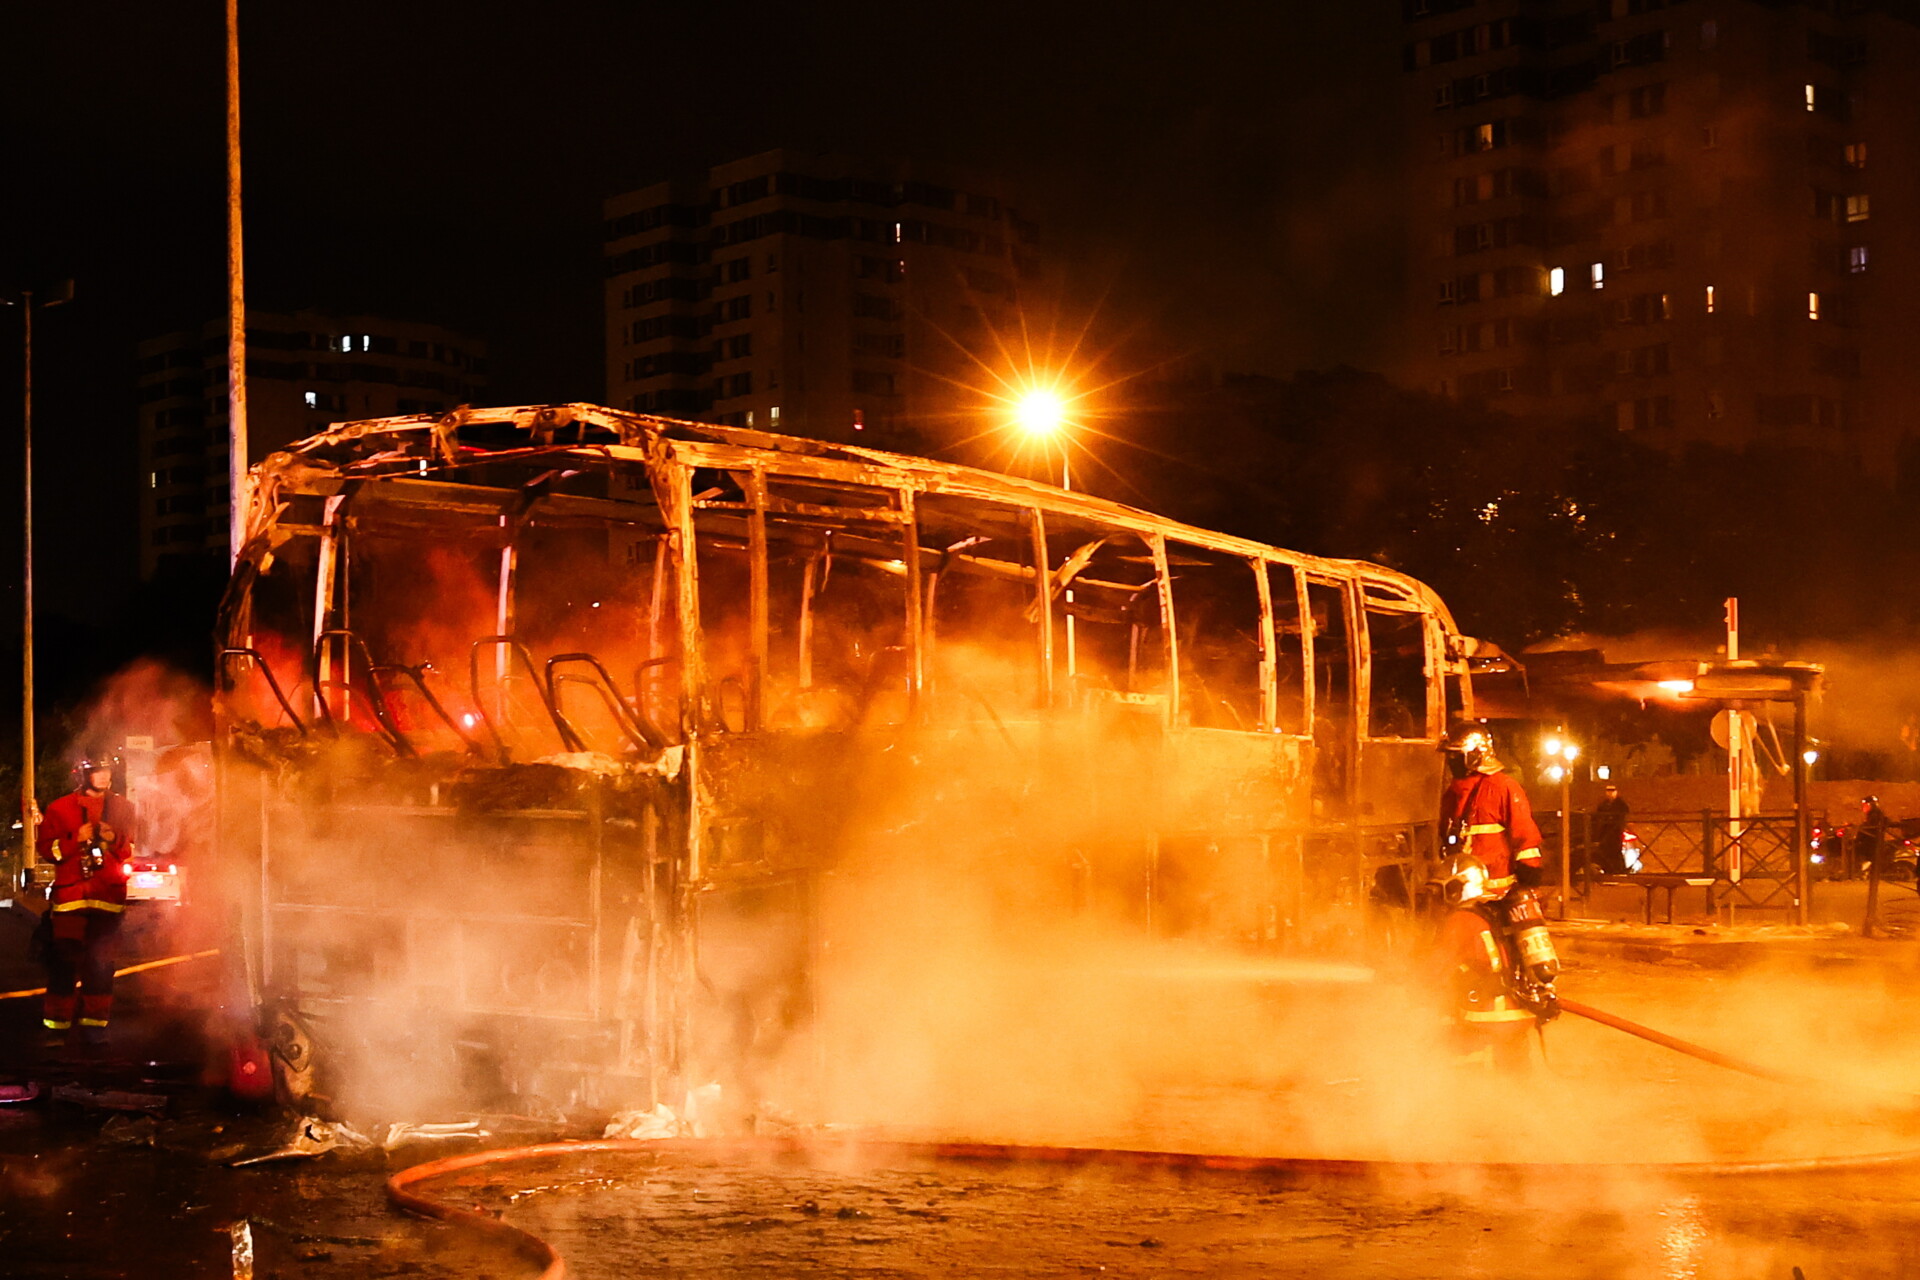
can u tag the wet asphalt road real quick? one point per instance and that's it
(168, 1213)
(90, 1193)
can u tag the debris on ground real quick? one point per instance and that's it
(131, 1131)
(310, 1137)
(242, 1235)
(701, 1114)
(660, 1122)
(109, 1099)
(400, 1133)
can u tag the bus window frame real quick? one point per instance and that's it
(1035, 574)
(1429, 668)
(1348, 586)
(1256, 566)
(1270, 709)
(753, 476)
(1055, 589)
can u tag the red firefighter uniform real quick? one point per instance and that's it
(1491, 813)
(86, 907)
(1497, 821)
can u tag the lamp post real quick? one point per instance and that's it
(29, 802)
(1042, 415)
(1561, 751)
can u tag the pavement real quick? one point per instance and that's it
(1835, 1009)
(1610, 922)
(160, 1016)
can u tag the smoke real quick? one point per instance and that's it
(1868, 702)
(146, 699)
(1001, 956)
(958, 926)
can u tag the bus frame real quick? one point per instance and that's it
(670, 808)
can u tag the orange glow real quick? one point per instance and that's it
(1040, 412)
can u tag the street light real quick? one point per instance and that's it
(29, 802)
(1041, 413)
(1560, 752)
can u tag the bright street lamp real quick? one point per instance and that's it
(1040, 412)
(1041, 415)
(1561, 751)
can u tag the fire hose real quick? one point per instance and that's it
(1719, 1059)
(552, 1267)
(120, 973)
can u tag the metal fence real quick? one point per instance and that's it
(1755, 864)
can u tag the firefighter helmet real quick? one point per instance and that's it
(88, 764)
(1463, 881)
(1471, 740)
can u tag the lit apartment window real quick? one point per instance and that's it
(1857, 259)
(1710, 299)
(1813, 306)
(1557, 281)
(312, 398)
(1857, 208)
(153, 479)
(1597, 273)
(1856, 155)
(1809, 97)
(773, 416)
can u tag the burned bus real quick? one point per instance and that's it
(567, 738)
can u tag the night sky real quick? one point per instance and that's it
(1217, 177)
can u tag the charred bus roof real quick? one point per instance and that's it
(420, 447)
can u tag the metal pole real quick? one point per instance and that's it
(1073, 657)
(238, 489)
(1566, 842)
(29, 802)
(1802, 872)
(1736, 760)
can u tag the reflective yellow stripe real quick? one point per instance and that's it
(1500, 1015)
(1486, 829)
(1504, 882)
(51, 1025)
(89, 904)
(1528, 855)
(93, 1022)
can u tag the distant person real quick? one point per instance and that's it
(1870, 842)
(87, 836)
(1610, 833)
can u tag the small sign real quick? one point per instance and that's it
(140, 744)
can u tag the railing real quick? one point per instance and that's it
(1754, 864)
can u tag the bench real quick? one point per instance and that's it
(1649, 881)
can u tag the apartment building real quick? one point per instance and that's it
(824, 296)
(1695, 219)
(305, 370)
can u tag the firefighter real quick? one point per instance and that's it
(1871, 844)
(87, 836)
(1494, 937)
